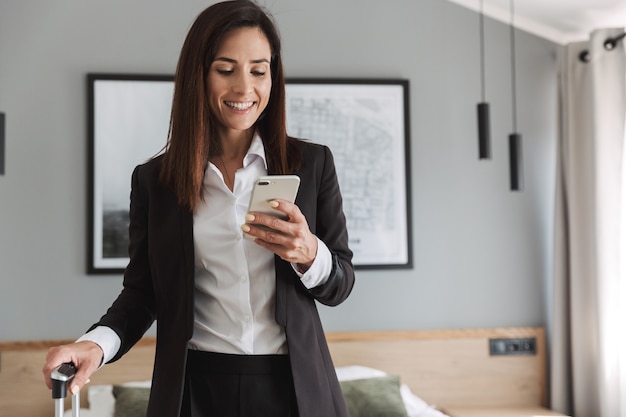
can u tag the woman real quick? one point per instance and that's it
(238, 332)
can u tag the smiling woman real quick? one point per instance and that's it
(225, 345)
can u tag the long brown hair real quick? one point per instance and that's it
(192, 131)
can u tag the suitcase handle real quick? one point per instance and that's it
(60, 378)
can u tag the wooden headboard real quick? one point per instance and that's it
(447, 368)
(451, 368)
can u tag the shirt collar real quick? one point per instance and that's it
(256, 150)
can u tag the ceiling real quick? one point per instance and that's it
(561, 21)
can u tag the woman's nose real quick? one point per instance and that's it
(243, 84)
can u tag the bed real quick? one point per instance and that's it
(432, 373)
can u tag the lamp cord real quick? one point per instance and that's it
(513, 74)
(482, 52)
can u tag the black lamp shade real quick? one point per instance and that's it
(2, 144)
(484, 131)
(516, 162)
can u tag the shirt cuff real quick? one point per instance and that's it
(319, 272)
(106, 338)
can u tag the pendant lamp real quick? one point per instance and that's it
(515, 138)
(484, 131)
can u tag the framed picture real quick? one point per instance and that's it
(128, 122)
(364, 122)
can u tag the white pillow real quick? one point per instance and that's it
(350, 373)
(416, 407)
(101, 400)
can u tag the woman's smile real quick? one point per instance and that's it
(239, 105)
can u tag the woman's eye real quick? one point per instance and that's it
(224, 71)
(258, 73)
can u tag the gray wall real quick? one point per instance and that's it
(482, 254)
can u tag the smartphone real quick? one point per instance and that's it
(272, 187)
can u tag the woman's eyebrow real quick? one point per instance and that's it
(234, 61)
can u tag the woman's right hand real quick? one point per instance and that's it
(86, 356)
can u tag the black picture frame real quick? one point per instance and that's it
(365, 122)
(127, 122)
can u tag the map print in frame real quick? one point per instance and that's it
(365, 124)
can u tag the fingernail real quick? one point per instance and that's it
(74, 389)
(88, 381)
(273, 203)
(245, 228)
(250, 217)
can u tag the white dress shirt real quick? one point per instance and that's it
(235, 280)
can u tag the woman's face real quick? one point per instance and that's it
(239, 79)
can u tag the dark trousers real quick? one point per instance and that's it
(224, 385)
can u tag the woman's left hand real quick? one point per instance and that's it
(290, 239)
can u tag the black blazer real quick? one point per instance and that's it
(159, 281)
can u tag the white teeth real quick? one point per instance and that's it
(239, 106)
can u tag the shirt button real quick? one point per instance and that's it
(244, 278)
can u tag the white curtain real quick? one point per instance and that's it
(588, 325)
